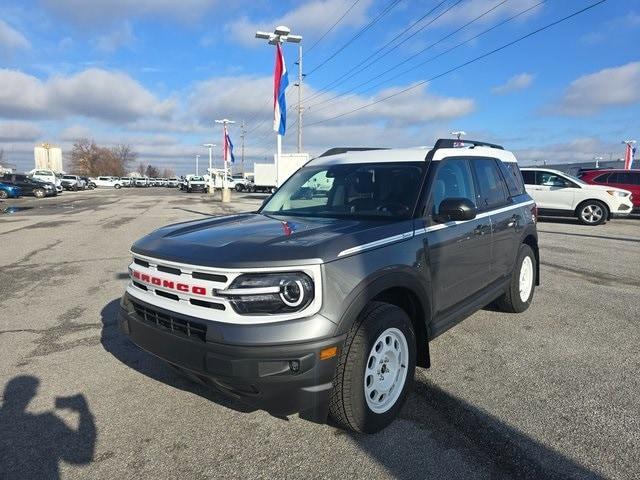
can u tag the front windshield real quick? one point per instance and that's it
(376, 191)
(197, 179)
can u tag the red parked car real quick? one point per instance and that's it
(626, 179)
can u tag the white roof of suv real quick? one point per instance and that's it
(411, 155)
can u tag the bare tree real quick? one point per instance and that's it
(168, 173)
(152, 172)
(87, 158)
(1, 155)
(141, 168)
(125, 155)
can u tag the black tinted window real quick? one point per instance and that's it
(492, 189)
(453, 180)
(626, 178)
(513, 177)
(602, 178)
(529, 177)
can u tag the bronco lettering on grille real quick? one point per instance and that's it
(169, 284)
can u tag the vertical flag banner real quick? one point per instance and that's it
(280, 83)
(629, 153)
(228, 147)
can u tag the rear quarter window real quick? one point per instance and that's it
(513, 177)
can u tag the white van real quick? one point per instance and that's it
(108, 182)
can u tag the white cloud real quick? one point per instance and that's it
(121, 36)
(580, 149)
(310, 19)
(94, 93)
(609, 87)
(11, 40)
(517, 82)
(245, 96)
(84, 12)
(19, 131)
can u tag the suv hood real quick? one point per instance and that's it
(255, 240)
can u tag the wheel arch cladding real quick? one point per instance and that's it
(532, 241)
(402, 290)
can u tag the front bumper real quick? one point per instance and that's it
(281, 378)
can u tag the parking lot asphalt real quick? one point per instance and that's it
(550, 393)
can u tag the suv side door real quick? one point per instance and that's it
(496, 196)
(555, 192)
(458, 253)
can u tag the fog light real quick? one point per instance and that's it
(294, 366)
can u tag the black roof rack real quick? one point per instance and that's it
(339, 150)
(453, 143)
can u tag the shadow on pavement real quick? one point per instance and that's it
(118, 345)
(33, 444)
(455, 439)
(603, 237)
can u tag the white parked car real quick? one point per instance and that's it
(48, 176)
(108, 182)
(559, 194)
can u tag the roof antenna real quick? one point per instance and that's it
(459, 134)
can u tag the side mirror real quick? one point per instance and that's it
(456, 210)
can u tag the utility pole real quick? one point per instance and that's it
(598, 159)
(242, 134)
(197, 158)
(226, 194)
(299, 85)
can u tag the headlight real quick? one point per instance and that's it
(272, 293)
(617, 193)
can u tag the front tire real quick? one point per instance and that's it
(3, 195)
(375, 370)
(39, 193)
(592, 212)
(117, 186)
(518, 296)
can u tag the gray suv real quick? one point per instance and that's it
(325, 300)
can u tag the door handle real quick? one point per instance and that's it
(479, 230)
(513, 222)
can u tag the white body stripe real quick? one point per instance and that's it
(433, 228)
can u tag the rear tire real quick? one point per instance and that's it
(117, 186)
(3, 195)
(518, 296)
(592, 212)
(375, 370)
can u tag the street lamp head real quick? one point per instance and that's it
(282, 31)
(225, 120)
(294, 38)
(210, 145)
(263, 35)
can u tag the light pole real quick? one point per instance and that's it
(226, 195)
(280, 35)
(197, 158)
(210, 145)
(598, 159)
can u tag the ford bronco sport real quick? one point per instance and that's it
(325, 303)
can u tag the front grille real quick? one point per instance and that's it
(141, 262)
(212, 277)
(177, 326)
(171, 270)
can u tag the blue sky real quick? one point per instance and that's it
(156, 73)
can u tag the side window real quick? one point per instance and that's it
(549, 179)
(492, 188)
(529, 177)
(513, 177)
(453, 180)
(626, 178)
(602, 178)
